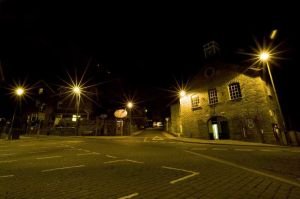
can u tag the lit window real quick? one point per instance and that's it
(41, 90)
(195, 101)
(235, 91)
(212, 96)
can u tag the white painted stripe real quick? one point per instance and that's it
(2, 150)
(134, 161)
(62, 168)
(219, 149)
(295, 151)
(49, 157)
(269, 150)
(243, 149)
(183, 178)
(110, 156)
(86, 151)
(7, 176)
(198, 149)
(37, 152)
(7, 154)
(129, 196)
(27, 145)
(145, 139)
(93, 153)
(126, 160)
(7, 161)
(246, 168)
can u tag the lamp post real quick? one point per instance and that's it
(77, 92)
(129, 106)
(19, 92)
(264, 56)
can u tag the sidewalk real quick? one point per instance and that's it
(217, 142)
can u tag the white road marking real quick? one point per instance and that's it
(86, 151)
(157, 138)
(126, 160)
(269, 150)
(110, 156)
(4, 150)
(49, 157)
(145, 139)
(246, 168)
(3, 146)
(295, 151)
(183, 178)
(7, 176)
(198, 149)
(27, 145)
(7, 161)
(7, 154)
(129, 196)
(219, 149)
(62, 168)
(37, 152)
(243, 149)
(93, 153)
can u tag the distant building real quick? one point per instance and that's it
(228, 101)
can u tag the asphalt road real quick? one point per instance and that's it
(148, 165)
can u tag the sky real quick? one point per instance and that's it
(149, 46)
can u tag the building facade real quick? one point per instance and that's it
(228, 101)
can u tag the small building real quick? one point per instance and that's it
(228, 101)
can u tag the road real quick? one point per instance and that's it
(148, 165)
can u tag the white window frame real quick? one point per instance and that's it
(195, 101)
(213, 96)
(235, 91)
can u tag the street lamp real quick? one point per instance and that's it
(19, 92)
(264, 57)
(77, 91)
(129, 106)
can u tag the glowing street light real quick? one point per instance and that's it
(130, 105)
(182, 93)
(264, 57)
(19, 92)
(77, 91)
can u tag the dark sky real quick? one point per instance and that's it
(148, 45)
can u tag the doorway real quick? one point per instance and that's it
(218, 128)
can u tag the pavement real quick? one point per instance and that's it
(218, 142)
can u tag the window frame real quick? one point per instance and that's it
(193, 99)
(213, 96)
(235, 91)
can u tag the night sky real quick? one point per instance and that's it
(147, 46)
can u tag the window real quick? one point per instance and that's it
(212, 96)
(41, 90)
(235, 91)
(195, 101)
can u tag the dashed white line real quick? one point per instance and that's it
(110, 156)
(243, 149)
(219, 149)
(33, 152)
(198, 149)
(7, 154)
(2, 150)
(295, 151)
(126, 160)
(129, 196)
(8, 161)
(62, 168)
(145, 139)
(93, 153)
(7, 176)
(245, 168)
(49, 157)
(183, 178)
(269, 150)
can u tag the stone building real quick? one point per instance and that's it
(228, 101)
